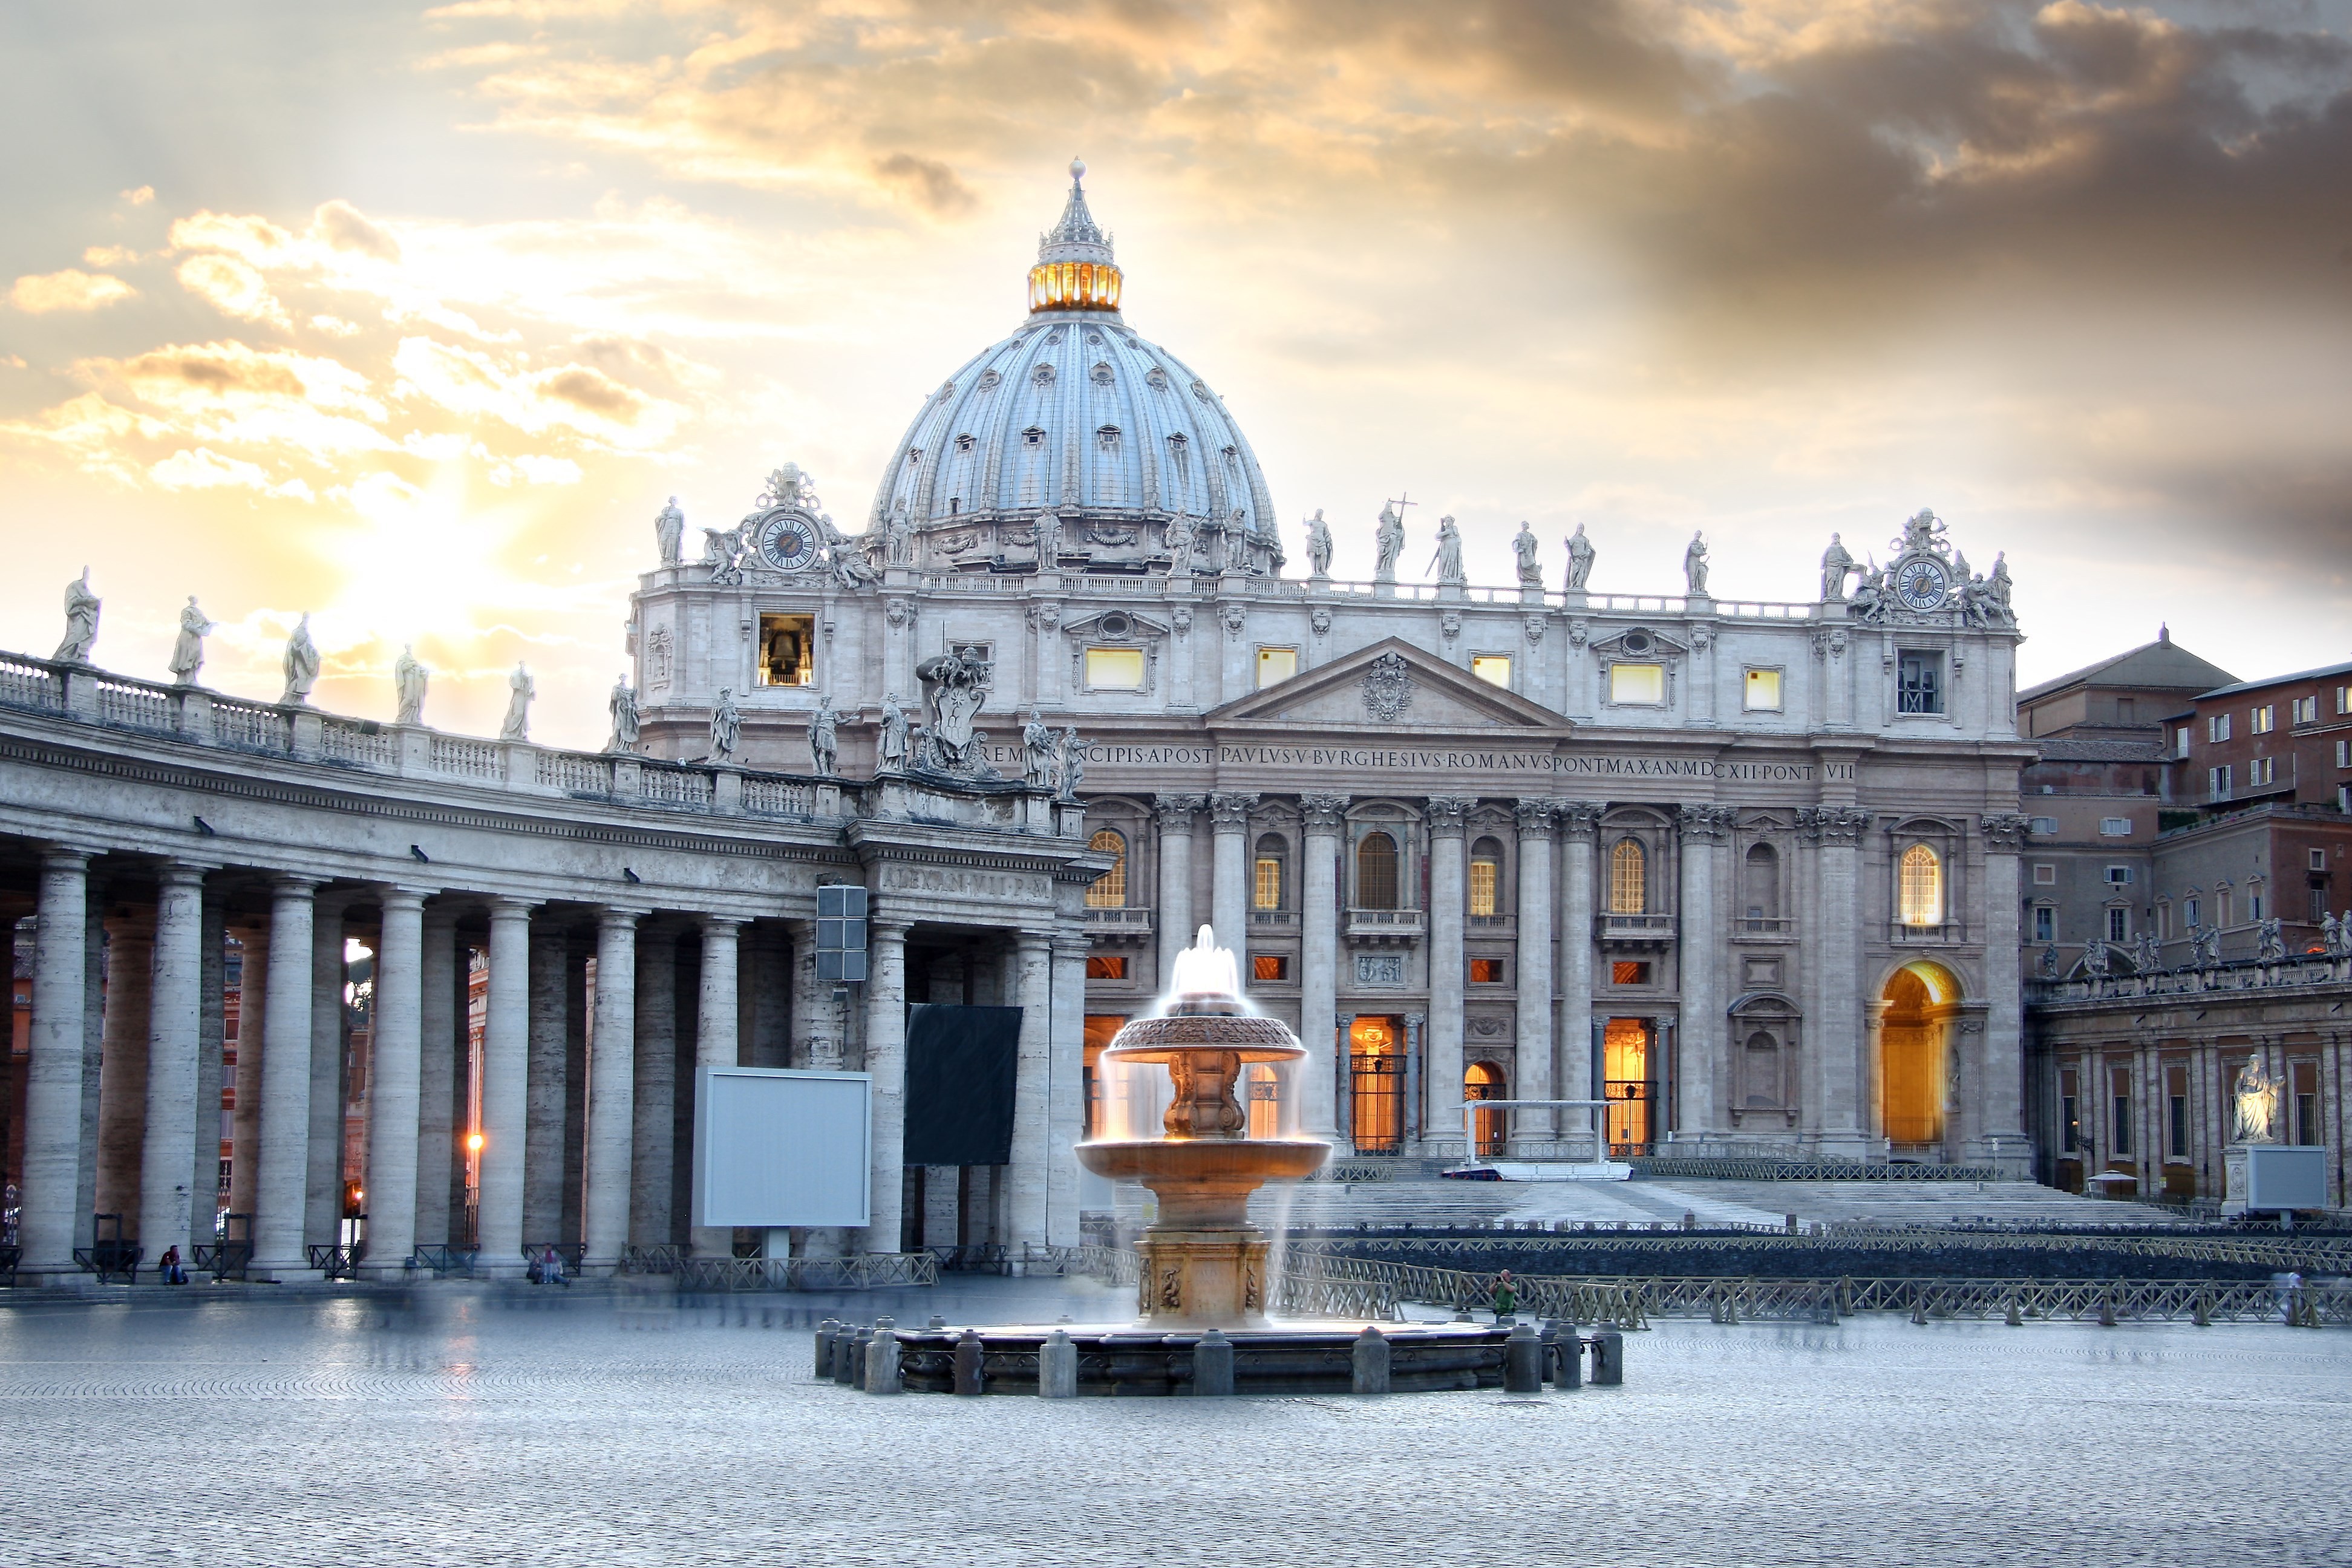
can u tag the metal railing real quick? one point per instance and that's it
(2278, 1254)
(865, 1271)
(1678, 1166)
(661, 1257)
(2057, 1301)
(444, 1259)
(223, 1260)
(338, 1260)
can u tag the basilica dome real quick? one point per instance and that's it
(1078, 439)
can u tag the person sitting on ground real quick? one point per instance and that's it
(168, 1268)
(550, 1269)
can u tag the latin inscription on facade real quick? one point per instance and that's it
(1448, 760)
(971, 884)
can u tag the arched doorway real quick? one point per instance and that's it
(1914, 1054)
(1483, 1081)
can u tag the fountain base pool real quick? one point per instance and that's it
(1128, 1361)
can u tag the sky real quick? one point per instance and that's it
(410, 318)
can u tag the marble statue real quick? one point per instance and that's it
(1388, 543)
(82, 622)
(520, 690)
(893, 739)
(1448, 559)
(669, 532)
(2255, 1103)
(1922, 531)
(2205, 946)
(2094, 959)
(1049, 541)
(408, 683)
(1070, 763)
(1180, 548)
(1978, 607)
(623, 706)
(1318, 545)
(724, 550)
(188, 648)
(1695, 566)
(2050, 961)
(952, 685)
(1837, 566)
(1523, 546)
(1037, 751)
(2147, 957)
(2001, 585)
(824, 739)
(301, 664)
(1870, 600)
(898, 538)
(726, 727)
(850, 568)
(2270, 941)
(1580, 559)
(2336, 935)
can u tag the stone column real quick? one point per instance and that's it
(542, 1172)
(1532, 1024)
(506, 1068)
(654, 1116)
(284, 1151)
(1700, 926)
(211, 981)
(1067, 1115)
(1580, 821)
(886, 1058)
(716, 1041)
(123, 1082)
(576, 956)
(1229, 873)
(1443, 1088)
(605, 1216)
(1032, 1083)
(1177, 814)
(93, 1055)
(322, 1207)
(252, 1026)
(47, 1224)
(809, 1009)
(2003, 1109)
(439, 1018)
(1841, 1060)
(166, 1202)
(1318, 961)
(396, 1081)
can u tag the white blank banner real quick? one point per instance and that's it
(776, 1147)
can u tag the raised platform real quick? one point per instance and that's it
(1123, 1361)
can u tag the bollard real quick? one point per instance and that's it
(824, 1337)
(883, 1374)
(1368, 1363)
(2203, 1316)
(1567, 1359)
(1919, 1313)
(1057, 1366)
(1213, 1365)
(2013, 1317)
(850, 1369)
(1523, 1361)
(2106, 1311)
(968, 1374)
(936, 1323)
(1792, 1223)
(1608, 1359)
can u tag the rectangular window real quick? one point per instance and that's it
(2217, 782)
(1265, 882)
(2119, 876)
(787, 650)
(2045, 924)
(1919, 683)
(1114, 668)
(2265, 718)
(2306, 1102)
(1484, 877)
(2344, 797)
(1637, 683)
(2042, 827)
(2254, 902)
(2318, 861)
(2176, 1126)
(2070, 1123)
(1486, 971)
(2344, 753)
(2305, 709)
(2192, 910)
(1273, 968)
(2115, 828)
(1494, 669)
(1275, 665)
(2119, 1093)
(1105, 966)
(2217, 727)
(2045, 875)
(1761, 691)
(2344, 700)
(2261, 771)
(2118, 925)
(1629, 972)
(2180, 742)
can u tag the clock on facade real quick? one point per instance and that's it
(1921, 583)
(789, 542)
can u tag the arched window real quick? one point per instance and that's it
(1485, 877)
(1266, 873)
(1376, 872)
(1760, 886)
(1109, 892)
(1922, 887)
(1628, 878)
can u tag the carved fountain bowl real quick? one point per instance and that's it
(1162, 1039)
(1216, 1162)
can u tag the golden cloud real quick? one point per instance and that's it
(70, 290)
(233, 287)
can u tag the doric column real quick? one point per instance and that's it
(1229, 867)
(175, 1009)
(1067, 1115)
(1031, 1085)
(252, 1026)
(1176, 814)
(653, 1120)
(2004, 1067)
(1580, 821)
(1532, 1024)
(395, 1080)
(93, 1053)
(886, 1059)
(322, 1200)
(506, 1068)
(122, 1083)
(577, 954)
(1843, 1058)
(1442, 1090)
(439, 1018)
(1700, 928)
(717, 1039)
(284, 1151)
(612, 1089)
(47, 1224)
(1318, 961)
(542, 1158)
(205, 1128)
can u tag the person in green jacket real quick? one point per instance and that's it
(1507, 1295)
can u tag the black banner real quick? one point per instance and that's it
(961, 1063)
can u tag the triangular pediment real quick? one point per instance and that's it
(1387, 687)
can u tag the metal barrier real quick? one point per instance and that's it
(661, 1257)
(223, 1260)
(2066, 1300)
(1663, 1167)
(110, 1260)
(867, 1272)
(444, 1259)
(340, 1260)
(8, 1257)
(2279, 1253)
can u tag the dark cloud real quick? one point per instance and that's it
(217, 370)
(931, 185)
(345, 227)
(594, 391)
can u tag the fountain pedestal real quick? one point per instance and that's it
(1204, 1263)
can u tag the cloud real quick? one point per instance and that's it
(345, 227)
(67, 291)
(475, 382)
(138, 198)
(207, 469)
(929, 184)
(232, 287)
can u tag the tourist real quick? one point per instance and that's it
(550, 1269)
(1506, 1296)
(168, 1268)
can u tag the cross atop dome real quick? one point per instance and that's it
(1076, 270)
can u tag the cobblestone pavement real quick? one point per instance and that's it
(469, 1426)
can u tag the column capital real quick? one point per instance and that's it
(1535, 817)
(617, 917)
(391, 893)
(1176, 812)
(1229, 812)
(61, 857)
(1323, 813)
(1067, 946)
(1581, 818)
(1842, 826)
(2005, 830)
(505, 907)
(1448, 814)
(291, 884)
(1029, 940)
(881, 926)
(710, 923)
(1704, 823)
(184, 873)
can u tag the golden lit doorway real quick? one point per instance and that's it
(1483, 1081)
(1376, 1084)
(1913, 1045)
(1625, 1073)
(1101, 1029)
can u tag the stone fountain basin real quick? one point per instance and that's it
(1219, 1162)
(1128, 1361)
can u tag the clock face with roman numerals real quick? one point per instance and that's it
(1922, 582)
(788, 543)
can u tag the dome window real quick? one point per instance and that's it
(1043, 375)
(965, 443)
(1158, 379)
(1101, 374)
(1201, 391)
(1108, 437)
(989, 381)
(914, 455)
(1180, 458)
(1032, 437)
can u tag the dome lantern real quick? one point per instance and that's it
(1076, 270)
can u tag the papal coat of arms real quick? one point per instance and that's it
(1388, 687)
